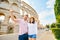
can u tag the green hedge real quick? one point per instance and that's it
(56, 30)
(55, 27)
(58, 25)
(56, 33)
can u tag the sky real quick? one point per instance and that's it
(45, 10)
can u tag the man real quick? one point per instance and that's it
(23, 32)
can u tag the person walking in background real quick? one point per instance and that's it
(23, 26)
(32, 29)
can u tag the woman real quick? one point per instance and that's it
(32, 29)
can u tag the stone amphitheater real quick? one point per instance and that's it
(20, 8)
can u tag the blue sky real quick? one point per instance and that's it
(45, 10)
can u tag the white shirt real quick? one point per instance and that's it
(32, 28)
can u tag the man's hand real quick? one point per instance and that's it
(11, 12)
(12, 16)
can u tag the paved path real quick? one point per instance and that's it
(42, 35)
(9, 37)
(45, 35)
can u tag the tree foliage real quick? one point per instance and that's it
(57, 10)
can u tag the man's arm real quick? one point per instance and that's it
(12, 16)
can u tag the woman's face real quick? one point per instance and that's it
(31, 20)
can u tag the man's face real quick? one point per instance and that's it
(25, 17)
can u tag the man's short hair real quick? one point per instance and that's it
(26, 15)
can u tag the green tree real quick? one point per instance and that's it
(57, 10)
(57, 14)
(47, 26)
(53, 25)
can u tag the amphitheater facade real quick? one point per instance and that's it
(20, 8)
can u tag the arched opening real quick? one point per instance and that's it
(25, 13)
(10, 20)
(14, 4)
(2, 17)
(29, 15)
(5, 1)
(21, 12)
(1, 14)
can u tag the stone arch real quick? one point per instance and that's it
(2, 15)
(15, 4)
(9, 18)
(5, 1)
(28, 9)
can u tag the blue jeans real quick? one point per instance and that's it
(23, 37)
(32, 36)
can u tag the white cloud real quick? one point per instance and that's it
(44, 22)
(44, 14)
(50, 3)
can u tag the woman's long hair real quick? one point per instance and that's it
(33, 20)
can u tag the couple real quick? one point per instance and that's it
(27, 28)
